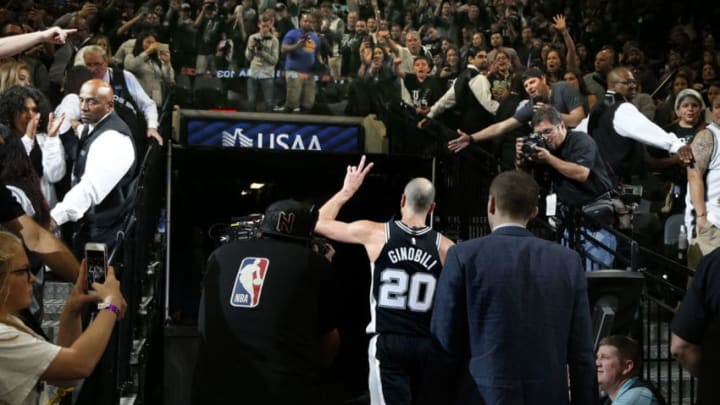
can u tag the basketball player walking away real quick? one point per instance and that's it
(406, 257)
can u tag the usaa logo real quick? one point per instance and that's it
(269, 141)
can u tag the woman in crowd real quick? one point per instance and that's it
(554, 66)
(708, 74)
(27, 361)
(17, 172)
(575, 78)
(376, 64)
(14, 73)
(150, 63)
(689, 108)
(25, 110)
(450, 66)
(713, 90)
(500, 72)
(665, 114)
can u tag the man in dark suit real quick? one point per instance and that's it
(520, 317)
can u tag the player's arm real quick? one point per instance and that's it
(358, 232)
(353, 180)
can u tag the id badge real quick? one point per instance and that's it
(551, 205)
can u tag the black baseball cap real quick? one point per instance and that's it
(289, 219)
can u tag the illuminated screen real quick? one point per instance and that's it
(274, 135)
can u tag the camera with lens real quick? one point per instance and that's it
(531, 142)
(257, 45)
(537, 99)
(245, 227)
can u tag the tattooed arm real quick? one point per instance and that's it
(702, 147)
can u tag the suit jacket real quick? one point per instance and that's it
(517, 306)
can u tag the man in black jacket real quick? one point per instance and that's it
(267, 315)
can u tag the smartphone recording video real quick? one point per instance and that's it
(96, 256)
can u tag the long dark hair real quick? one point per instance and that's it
(138, 48)
(12, 103)
(17, 170)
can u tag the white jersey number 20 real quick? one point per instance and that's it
(399, 291)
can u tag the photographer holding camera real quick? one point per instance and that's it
(262, 51)
(578, 174)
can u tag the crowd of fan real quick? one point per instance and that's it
(368, 56)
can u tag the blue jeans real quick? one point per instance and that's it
(268, 91)
(596, 257)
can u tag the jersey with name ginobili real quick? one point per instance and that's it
(404, 278)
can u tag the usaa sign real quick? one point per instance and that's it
(274, 135)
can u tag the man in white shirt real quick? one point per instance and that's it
(470, 94)
(102, 177)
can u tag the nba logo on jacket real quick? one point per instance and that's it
(249, 282)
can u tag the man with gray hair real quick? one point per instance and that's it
(406, 257)
(132, 103)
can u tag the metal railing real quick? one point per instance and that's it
(665, 286)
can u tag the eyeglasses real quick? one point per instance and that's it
(25, 270)
(628, 82)
(546, 131)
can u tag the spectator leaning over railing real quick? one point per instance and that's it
(15, 44)
(562, 96)
(27, 362)
(35, 58)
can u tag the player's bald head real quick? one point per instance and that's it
(419, 194)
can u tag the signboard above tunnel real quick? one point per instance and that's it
(269, 131)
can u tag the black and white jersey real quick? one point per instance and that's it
(404, 277)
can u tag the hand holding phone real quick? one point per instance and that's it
(96, 256)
